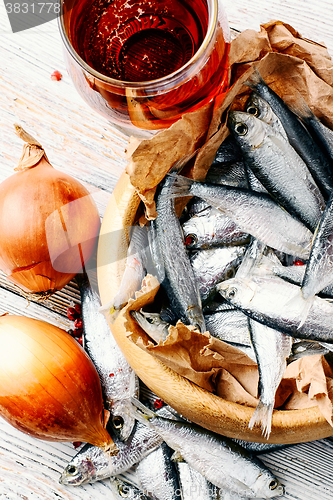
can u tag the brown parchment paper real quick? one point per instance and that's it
(290, 65)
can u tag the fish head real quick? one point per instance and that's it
(152, 324)
(237, 291)
(267, 486)
(192, 230)
(77, 472)
(247, 129)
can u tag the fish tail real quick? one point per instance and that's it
(305, 310)
(254, 80)
(302, 306)
(262, 416)
(300, 108)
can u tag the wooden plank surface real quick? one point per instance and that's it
(85, 145)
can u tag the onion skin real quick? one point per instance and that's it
(49, 225)
(49, 387)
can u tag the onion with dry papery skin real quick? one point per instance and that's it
(49, 223)
(49, 387)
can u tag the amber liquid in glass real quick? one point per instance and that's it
(138, 41)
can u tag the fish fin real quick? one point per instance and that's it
(254, 79)
(301, 109)
(140, 411)
(177, 457)
(181, 187)
(180, 164)
(262, 416)
(306, 305)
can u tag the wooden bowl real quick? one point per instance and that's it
(195, 403)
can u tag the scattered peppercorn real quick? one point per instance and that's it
(80, 340)
(77, 332)
(71, 313)
(298, 263)
(56, 76)
(76, 444)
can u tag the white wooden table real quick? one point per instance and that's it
(80, 142)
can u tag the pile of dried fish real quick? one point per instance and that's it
(254, 241)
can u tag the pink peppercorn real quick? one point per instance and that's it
(56, 76)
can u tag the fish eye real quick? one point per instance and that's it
(124, 491)
(273, 484)
(253, 110)
(231, 293)
(150, 320)
(191, 240)
(117, 422)
(72, 470)
(241, 128)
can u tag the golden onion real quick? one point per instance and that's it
(49, 223)
(49, 387)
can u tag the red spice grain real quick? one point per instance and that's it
(78, 324)
(56, 76)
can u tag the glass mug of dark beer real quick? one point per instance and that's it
(144, 63)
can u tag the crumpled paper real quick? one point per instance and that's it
(290, 65)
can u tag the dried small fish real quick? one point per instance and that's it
(255, 213)
(272, 348)
(257, 106)
(278, 167)
(319, 272)
(175, 272)
(123, 489)
(195, 485)
(298, 135)
(119, 381)
(138, 263)
(231, 326)
(322, 134)
(279, 304)
(91, 464)
(152, 324)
